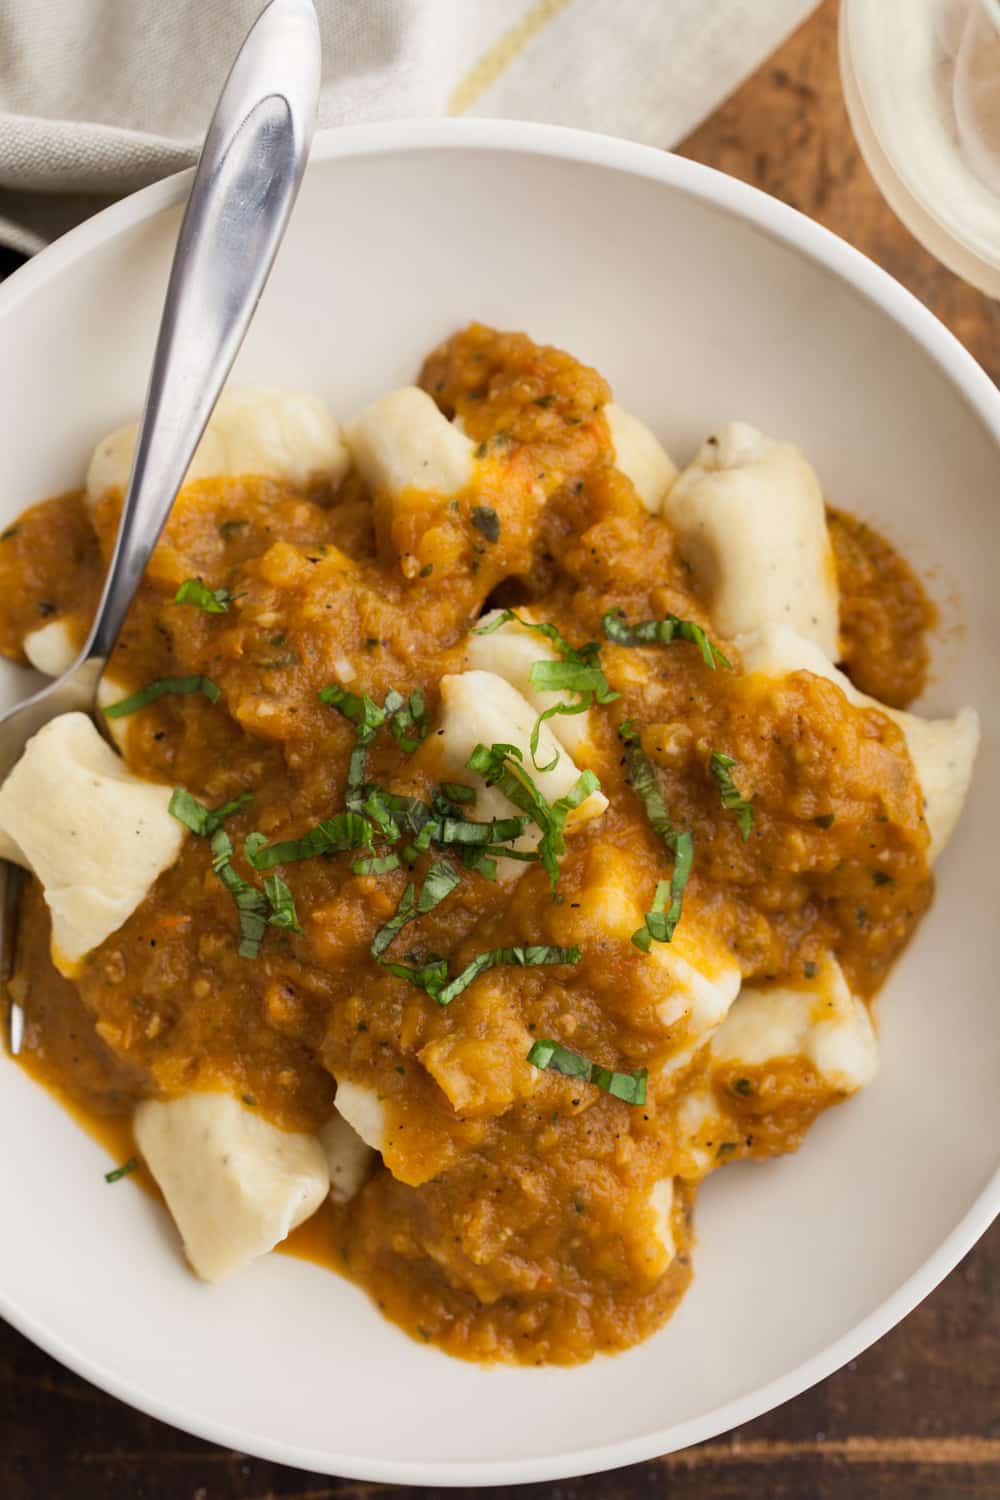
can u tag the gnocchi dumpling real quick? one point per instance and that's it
(641, 457)
(235, 1185)
(283, 435)
(816, 1021)
(943, 751)
(402, 441)
(96, 836)
(751, 522)
(510, 652)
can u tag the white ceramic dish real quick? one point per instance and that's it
(700, 299)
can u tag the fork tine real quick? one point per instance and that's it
(11, 882)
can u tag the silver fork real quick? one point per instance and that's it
(244, 187)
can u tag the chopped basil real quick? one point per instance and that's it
(662, 632)
(485, 519)
(660, 924)
(440, 880)
(826, 820)
(230, 528)
(499, 766)
(431, 976)
(809, 968)
(282, 904)
(212, 601)
(721, 768)
(252, 906)
(160, 689)
(743, 1086)
(547, 400)
(525, 958)
(455, 791)
(123, 1171)
(366, 717)
(379, 864)
(203, 820)
(629, 1087)
(407, 719)
(882, 877)
(348, 830)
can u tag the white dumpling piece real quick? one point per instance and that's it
(662, 1245)
(235, 1185)
(96, 836)
(511, 652)
(50, 648)
(284, 435)
(641, 457)
(360, 1106)
(751, 522)
(348, 1158)
(480, 708)
(402, 441)
(943, 751)
(817, 1021)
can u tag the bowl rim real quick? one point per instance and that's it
(795, 230)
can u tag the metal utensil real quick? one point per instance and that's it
(245, 185)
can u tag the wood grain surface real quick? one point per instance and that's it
(918, 1415)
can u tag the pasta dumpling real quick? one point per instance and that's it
(511, 652)
(943, 751)
(641, 457)
(402, 441)
(816, 1022)
(284, 435)
(235, 1185)
(751, 522)
(96, 836)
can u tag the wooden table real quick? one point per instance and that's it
(916, 1416)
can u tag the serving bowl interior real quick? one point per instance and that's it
(700, 300)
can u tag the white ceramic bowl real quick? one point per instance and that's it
(700, 299)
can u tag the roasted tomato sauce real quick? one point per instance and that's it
(510, 1220)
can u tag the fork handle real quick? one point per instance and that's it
(244, 187)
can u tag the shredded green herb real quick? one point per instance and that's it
(440, 880)
(378, 864)
(499, 765)
(124, 1170)
(348, 830)
(629, 1087)
(407, 718)
(661, 921)
(203, 820)
(662, 632)
(161, 689)
(367, 718)
(212, 601)
(252, 906)
(282, 904)
(721, 768)
(525, 958)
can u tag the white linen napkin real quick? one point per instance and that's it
(99, 97)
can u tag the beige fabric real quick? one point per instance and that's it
(99, 97)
